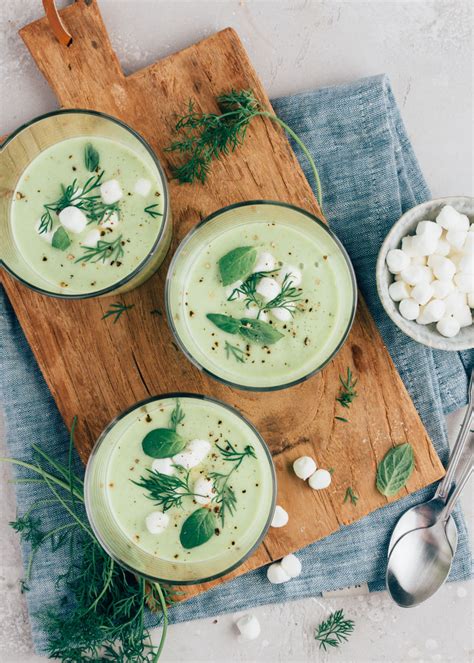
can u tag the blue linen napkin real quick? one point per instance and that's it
(370, 176)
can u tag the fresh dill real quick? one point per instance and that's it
(116, 310)
(234, 351)
(347, 391)
(177, 416)
(103, 251)
(225, 496)
(152, 211)
(207, 136)
(287, 298)
(346, 421)
(350, 495)
(334, 630)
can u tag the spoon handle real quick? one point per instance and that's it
(463, 479)
(444, 487)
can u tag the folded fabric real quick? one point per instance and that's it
(370, 176)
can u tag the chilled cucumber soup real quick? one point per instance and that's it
(210, 432)
(308, 289)
(105, 232)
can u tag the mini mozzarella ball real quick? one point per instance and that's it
(419, 260)
(470, 299)
(409, 309)
(410, 248)
(110, 220)
(268, 288)
(464, 281)
(442, 247)
(110, 192)
(203, 490)
(291, 565)
(442, 289)
(429, 228)
(454, 302)
(280, 517)
(422, 318)
(92, 238)
(276, 574)
(426, 274)
(193, 454)
(456, 238)
(304, 467)
(156, 522)
(413, 274)
(249, 627)
(282, 314)
(422, 293)
(320, 479)
(424, 245)
(449, 219)
(463, 316)
(468, 246)
(399, 290)
(142, 187)
(397, 260)
(200, 448)
(252, 313)
(73, 219)
(294, 274)
(466, 264)
(265, 262)
(448, 326)
(47, 237)
(163, 466)
(435, 310)
(443, 268)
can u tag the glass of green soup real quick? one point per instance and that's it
(261, 295)
(180, 488)
(84, 210)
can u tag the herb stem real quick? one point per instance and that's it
(108, 580)
(164, 609)
(68, 509)
(46, 475)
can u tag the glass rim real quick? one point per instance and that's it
(166, 206)
(186, 240)
(146, 401)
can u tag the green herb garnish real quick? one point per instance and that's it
(350, 495)
(395, 469)
(208, 136)
(163, 443)
(167, 490)
(103, 251)
(234, 351)
(61, 239)
(287, 298)
(237, 264)
(346, 421)
(334, 630)
(347, 392)
(116, 310)
(152, 211)
(252, 330)
(198, 528)
(225, 496)
(91, 157)
(177, 416)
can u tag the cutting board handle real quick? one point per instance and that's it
(56, 24)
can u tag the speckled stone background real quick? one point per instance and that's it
(426, 48)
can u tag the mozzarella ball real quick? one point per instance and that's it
(409, 309)
(449, 218)
(193, 454)
(424, 245)
(435, 310)
(443, 247)
(454, 302)
(163, 466)
(456, 238)
(282, 314)
(443, 268)
(399, 290)
(464, 281)
(276, 575)
(252, 313)
(466, 264)
(265, 262)
(92, 238)
(448, 327)
(320, 479)
(409, 248)
(249, 627)
(413, 274)
(397, 260)
(422, 293)
(110, 220)
(304, 467)
(280, 517)
(142, 187)
(291, 565)
(156, 522)
(468, 246)
(463, 316)
(200, 448)
(442, 289)
(204, 490)
(294, 273)
(111, 192)
(419, 260)
(423, 319)
(429, 228)
(73, 219)
(470, 299)
(268, 288)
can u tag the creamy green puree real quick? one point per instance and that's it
(56, 179)
(311, 317)
(227, 446)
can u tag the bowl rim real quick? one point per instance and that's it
(435, 341)
(223, 210)
(166, 206)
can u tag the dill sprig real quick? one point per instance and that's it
(351, 495)
(152, 211)
(177, 416)
(208, 136)
(167, 490)
(234, 351)
(225, 496)
(103, 251)
(287, 298)
(116, 309)
(347, 391)
(334, 630)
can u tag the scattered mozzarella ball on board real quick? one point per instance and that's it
(156, 522)
(73, 219)
(304, 467)
(203, 490)
(265, 263)
(291, 565)
(142, 187)
(320, 479)
(249, 627)
(276, 574)
(434, 272)
(163, 466)
(268, 288)
(111, 192)
(280, 517)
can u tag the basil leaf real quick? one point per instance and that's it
(225, 322)
(197, 528)
(60, 239)
(162, 443)
(91, 157)
(395, 469)
(259, 331)
(237, 264)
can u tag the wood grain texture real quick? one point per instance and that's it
(136, 357)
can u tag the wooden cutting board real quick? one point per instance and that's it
(95, 368)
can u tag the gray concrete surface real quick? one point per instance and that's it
(425, 47)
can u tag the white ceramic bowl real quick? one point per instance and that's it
(426, 334)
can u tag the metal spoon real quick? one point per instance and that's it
(426, 514)
(421, 560)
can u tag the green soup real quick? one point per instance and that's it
(320, 303)
(124, 489)
(117, 237)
